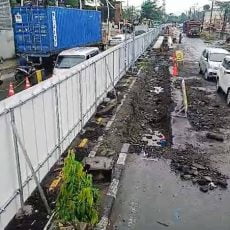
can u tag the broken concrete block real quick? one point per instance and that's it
(215, 136)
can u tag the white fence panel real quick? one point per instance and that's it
(109, 71)
(8, 175)
(49, 115)
(101, 79)
(116, 65)
(88, 92)
(76, 104)
(122, 59)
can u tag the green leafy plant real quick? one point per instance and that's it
(77, 200)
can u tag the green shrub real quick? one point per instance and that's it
(77, 200)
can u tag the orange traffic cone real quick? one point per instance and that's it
(11, 90)
(175, 70)
(27, 85)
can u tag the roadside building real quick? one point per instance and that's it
(6, 31)
(118, 12)
(217, 20)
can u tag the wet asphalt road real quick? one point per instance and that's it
(149, 193)
(151, 197)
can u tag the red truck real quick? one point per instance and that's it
(192, 28)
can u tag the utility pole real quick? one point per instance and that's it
(107, 3)
(213, 1)
(164, 7)
(125, 25)
(22, 3)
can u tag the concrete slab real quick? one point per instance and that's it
(98, 163)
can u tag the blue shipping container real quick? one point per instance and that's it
(41, 31)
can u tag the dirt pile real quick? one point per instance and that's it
(192, 164)
(150, 103)
(204, 112)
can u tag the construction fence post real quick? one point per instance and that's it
(58, 121)
(18, 167)
(41, 192)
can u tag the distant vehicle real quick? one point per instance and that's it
(180, 26)
(118, 39)
(70, 58)
(223, 78)
(210, 61)
(141, 29)
(192, 28)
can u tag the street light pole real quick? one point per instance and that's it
(107, 3)
(80, 4)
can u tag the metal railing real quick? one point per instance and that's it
(49, 115)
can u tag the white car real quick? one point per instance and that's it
(223, 78)
(210, 61)
(70, 58)
(118, 39)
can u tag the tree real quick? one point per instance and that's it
(172, 18)
(206, 7)
(225, 8)
(130, 13)
(150, 10)
(182, 18)
(72, 3)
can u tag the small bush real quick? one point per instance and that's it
(77, 200)
(207, 36)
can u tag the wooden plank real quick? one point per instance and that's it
(158, 42)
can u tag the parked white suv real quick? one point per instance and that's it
(119, 38)
(223, 78)
(70, 58)
(210, 61)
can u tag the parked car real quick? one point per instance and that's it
(118, 39)
(223, 78)
(210, 61)
(68, 59)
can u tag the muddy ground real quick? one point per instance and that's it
(147, 121)
(176, 175)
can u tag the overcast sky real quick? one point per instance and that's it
(174, 6)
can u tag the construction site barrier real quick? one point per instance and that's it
(48, 116)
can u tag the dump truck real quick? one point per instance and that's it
(192, 28)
